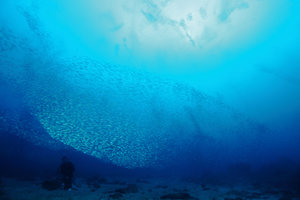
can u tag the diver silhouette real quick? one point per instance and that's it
(66, 170)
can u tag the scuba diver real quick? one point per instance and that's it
(65, 171)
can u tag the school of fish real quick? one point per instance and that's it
(121, 115)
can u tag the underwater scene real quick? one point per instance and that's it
(149, 99)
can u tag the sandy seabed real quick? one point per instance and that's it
(147, 189)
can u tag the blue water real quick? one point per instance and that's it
(177, 87)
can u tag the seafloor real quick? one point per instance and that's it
(96, 188)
